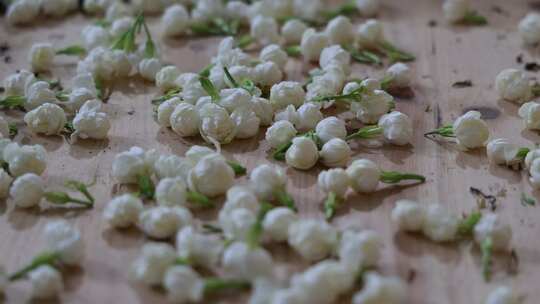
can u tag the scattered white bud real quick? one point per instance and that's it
(232, 99)
(529, 28)
(152, 264)
(25, 159)
(265, 30)
(212, 176)
(175, 20)
(129, 165)
(400, 75)
(312, 239)
(185, 120)
(120, 26)
(66, 240)
(287, 93)
(340, 30)
(171, 192)
(17, 84)
(367, 8)
(267, 74)
(149, 67)
(491, 226)
(238, 10)
(408, 215)
(280, 133)
(308, 9)
(513, 85)
(302, 154)
(216, 123)
(41, 57)
(163, 222)
(471, 131)
(530, 113)
(240, 197)
(309, 115)
(94, 36)
(373, 106)
(266, 180)
(335, 153)
(335, 54)
(334, 180)
(397, 128)
(46, 282)
(237, 223)
(379, 289)
(274, 53)
(37, 94)
(364, 175)
(242, 262)
(263, 109)
(277, 221)
(330, 128)
(165, 110)
(439, 225)
(123, 211)
(202, 249)
(247, 122)
(183, 285)
(288, 114)
(502, 295)
(501, 151)
(172, 166)
(48, 119)
(90, 122)
(455, 10)
(22, 12)
(312, 44)
(293, 30)
(27, 190)
(534, 172)
(370, 34)
(166, 78)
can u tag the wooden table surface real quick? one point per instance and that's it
(443, 274)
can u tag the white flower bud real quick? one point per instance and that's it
(247, 123)
(203, 249)
(151, 265)
(266, 180)
(129, 165)
(171, 192)
(41, 57)
(94, 36)
(148, 68)
(529, 28)
(280, 133)
(308, 9)
(330, 128)
(27, 190)
(302, 154)
(502, 295)
(312, 239)
(120, 63)
(165, 110)
(373, 106)
(48, 119)
(534, 172)
(183, 285)
(237, 223)
(368, 8)
(172, 166)
(359, 249)
(22, 12)
(288, 114)
(334, 180)
(66, 240)
(238, 10)
(274, 53)
(18, 83)
(335, 54)
(175, 20)
(25, 159)
(120, 26)
(364, 175)
(491, 226)
(408, 215)
(471, 131)
(397, 128)
(239, 197)
(265, 30)
(379, 289)
(212, 176)
(77, 98)
(530, 113)
(370, 34)
(335, 153)
(340, 30)
(163, 222)
(37, 94)
(232, 99)
(287, 93)
(267, 74)
(123, 211)
(242, 262)
(5, 182)
(501, 151)
(191, 87)
(166, 78)
(196, 153)
(312, 44)
(263, 109)
(513, 85)
(309, 115)
(277, 221)
(206, 10)
(455, 10)
(185, 120)
(216, 123)
(400, 74)
(439, 225)
(293, 30)
(46, 282)
(90, 122)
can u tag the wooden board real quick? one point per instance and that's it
(443, 274)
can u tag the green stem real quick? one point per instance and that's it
(13, 130)
(209, 88)
(293, 51)
(73, 50)
(446, 131)
(212, 285)
(279, 153)
(285, 199)
(150, 47)
(345, 9)
(355, 95)
(330, 205)
(238, 169)
(168, 95)
(474, 18)
(206, 71)
(522, 153)
(487, 252)
(256, 229)
(394, 177)
(11, 102)
(230, 78)
(466, 225)
(366, 132)
(62, 198)
(245, 41)
(182, 261)
(82, 188)
(45, 258)
(212, 228)
(394, 53)
(146, 186)
(364, 56)
(199, 199)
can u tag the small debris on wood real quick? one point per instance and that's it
(403, 93)
(535, 5)
(2, 89)
(483, 200)
(432, 23)
(7, 59)
(527, 201)
(411, 275)
(4, 48)
(519, 58)
(462, 84)
(532, 66)
(428, 109)
(513, 262)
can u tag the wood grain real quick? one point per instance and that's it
(444, 274)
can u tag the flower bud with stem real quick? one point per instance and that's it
(279, 153)
(216, 27)
(487, 255)
(394, 177)
(367, 132)
(256, 229)
(246, 84)
(364, 56)
(331, 205)
(62, 198)
(444, 131)
(45, 258)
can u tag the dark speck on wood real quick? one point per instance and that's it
(534, 5)
(432, 23)
(487, 112)
(196, 46)
(131, 112)
(402, 93)
(532, 66)
(519, 58)
(462, 84)
(437, 116)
